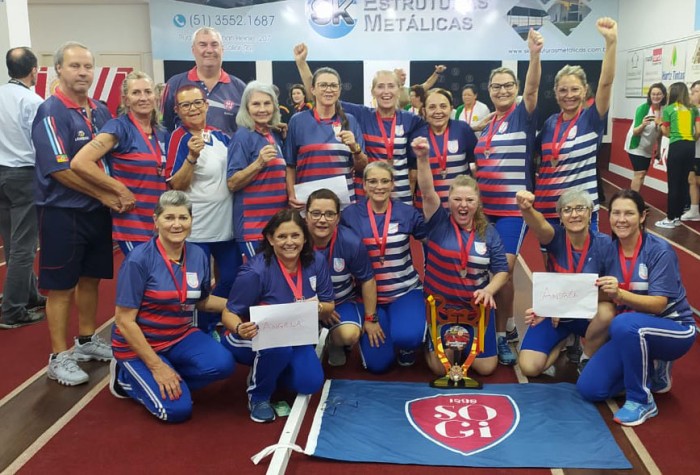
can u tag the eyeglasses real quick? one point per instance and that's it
(570, 209)
(197, 103)
(329, 215)
(331, 86)
(377, 181)
(508, 86)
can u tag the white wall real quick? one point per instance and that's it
(645, 23)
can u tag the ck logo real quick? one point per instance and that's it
(465, 423)
(331, 18)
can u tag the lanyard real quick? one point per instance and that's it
(441, 157)
(468, 118)
(388, 142)
(295, 288)
(570, 255)
(628, 271)
(463, 250)
(557, 146)
(268, 136)
(380, 243)
(492, 130)
(181, 290)
(17, 83)
(331, 246)
(156, 155)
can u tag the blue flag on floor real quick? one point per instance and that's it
(501, 425)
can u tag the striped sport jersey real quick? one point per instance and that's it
(459, 154)
(396, 275)
(558, 256)
(443, 261)
(575, 167)
(212, 204)
(254, 205)
(349, 264)
(316, 153)
(133, 163)
(60, 129)
(505, 165)
(406, 125)
(145, 283)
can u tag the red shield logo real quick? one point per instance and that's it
(228, 105)
(466, 423)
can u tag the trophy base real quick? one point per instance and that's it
(447, 383)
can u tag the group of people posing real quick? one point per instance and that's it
(231, 196)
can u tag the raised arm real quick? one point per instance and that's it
(431, 200)
(301, 51)
(432, 79)
(608, 28)
(182, 179)
(535, 42)
(533, 218)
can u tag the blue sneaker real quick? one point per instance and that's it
(406, 357)
(512, 335)
(661, 377)
(505, 353)
(261, 411)
(633, 413)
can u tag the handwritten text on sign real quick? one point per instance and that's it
(289, 324)
(564, 295)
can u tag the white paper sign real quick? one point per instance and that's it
(564, 295)
(289, 324)
(337, 184)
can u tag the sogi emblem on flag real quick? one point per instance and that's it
(464, 423)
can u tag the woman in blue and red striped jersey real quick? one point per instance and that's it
(133, 146)
(461, 250)
(386, 131)
(386, 227)
(505, 165)
(159, 357)
(323, 142)
(450, 144)
(256, 167)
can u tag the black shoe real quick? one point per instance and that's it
(27, 318)
(39, 304)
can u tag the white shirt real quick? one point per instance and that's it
(476, 114)
(18, 106)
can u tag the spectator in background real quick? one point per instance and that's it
(693, 214)
(472, 111)
(417, 105)
(404, 91)
(75, 228)
(222, 89)
(285, 113)
(297, 98)
(21, 302)
(644, 137)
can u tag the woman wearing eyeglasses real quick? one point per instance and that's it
(386, 131)
(570, 139)
(572, 247)
(257, 170)
(323, 142)
(386, 226)
(351, 271)
(132, 147)
(504, 164)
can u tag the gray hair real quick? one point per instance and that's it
(570, 70)
(61, 51)
(503, 70)
(574, 195)
(381, 165)
(243, 118)
(207, 30)
(172, 198)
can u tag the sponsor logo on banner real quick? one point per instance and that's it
(480, 248)
(466, 423)
(331, 18)
(338, 264)
(192, 280)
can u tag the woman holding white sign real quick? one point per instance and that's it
(654, 324)
(286, 270)
(461, 250)
(571, 247)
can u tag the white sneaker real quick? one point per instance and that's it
(690, 216)
(668, 223)
(64, 369)
(96, 349)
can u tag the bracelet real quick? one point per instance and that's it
(191, 162)
(237, 327)
(357, 150)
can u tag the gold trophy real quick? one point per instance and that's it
(450, 349)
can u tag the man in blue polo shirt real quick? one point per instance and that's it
(74, 219)
(223, 90)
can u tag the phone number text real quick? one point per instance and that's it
(200, 19)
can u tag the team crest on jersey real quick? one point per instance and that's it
(480, 248)
(338, 264)
(572, 133)
(503, 127)
(228, 105)
(643, 271)
(452, 146)
(393, 228)
(465, 423)
(192, 280)
(398, 130)
(312, 282)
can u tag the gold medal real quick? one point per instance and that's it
(487, 152)
(463, 273)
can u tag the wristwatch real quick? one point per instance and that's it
(372, 318)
